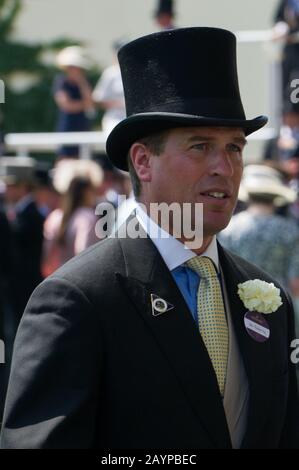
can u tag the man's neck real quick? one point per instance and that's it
(204, 246)
(204, 242)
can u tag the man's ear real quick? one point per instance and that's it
(141, 160)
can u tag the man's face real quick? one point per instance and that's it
(198, 164)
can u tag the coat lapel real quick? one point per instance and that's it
(256, 356)
(176, 334)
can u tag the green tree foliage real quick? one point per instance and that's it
(32, 109)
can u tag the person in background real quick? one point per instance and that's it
(70, 229)
(282, 153)
(46, 196)
(26, 225)
(115, 183)
(164, 15)
(116, 190)
(109, 93)
(291, 168)
(286, 28)
(73, 96)
(5, 301)
(283, 146)
(260, 235)
(107, 188)
(5, 265)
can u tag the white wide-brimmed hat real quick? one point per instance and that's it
(73, 56)
(68, 169)
(263, 180)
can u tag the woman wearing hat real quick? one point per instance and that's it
(72, 94)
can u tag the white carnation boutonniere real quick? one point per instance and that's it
(260, 296)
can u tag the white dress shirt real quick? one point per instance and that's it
(173, 252)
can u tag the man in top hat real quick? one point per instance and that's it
(143, 341)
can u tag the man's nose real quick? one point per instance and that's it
(221, 164)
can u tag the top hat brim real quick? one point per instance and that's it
(141, 125)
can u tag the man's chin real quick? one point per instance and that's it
(211, 228)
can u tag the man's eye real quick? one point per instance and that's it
(234, 148)
(202, 146)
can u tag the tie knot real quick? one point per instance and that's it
(202, 265)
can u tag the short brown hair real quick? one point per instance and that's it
(155, 143)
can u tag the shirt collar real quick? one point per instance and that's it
(173, 251)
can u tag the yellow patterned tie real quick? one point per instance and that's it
(211, 316)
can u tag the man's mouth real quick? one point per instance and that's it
(216, 194)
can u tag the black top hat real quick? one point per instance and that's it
(178, 78)
(164, 6)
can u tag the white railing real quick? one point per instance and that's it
(254, 36)
(24, 143)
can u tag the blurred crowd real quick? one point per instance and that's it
(46, 217)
